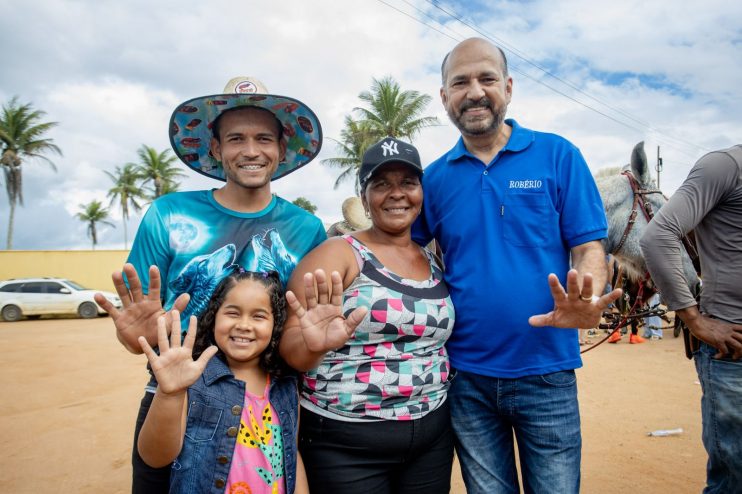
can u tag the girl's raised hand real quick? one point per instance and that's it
(175, 368)
(322, 322)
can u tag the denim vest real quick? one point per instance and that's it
(215, 405)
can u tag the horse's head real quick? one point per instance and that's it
(619, 202)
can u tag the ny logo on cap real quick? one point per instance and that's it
(391, 147)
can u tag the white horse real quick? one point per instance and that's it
(629, 209)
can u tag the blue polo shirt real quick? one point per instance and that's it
(503, 227)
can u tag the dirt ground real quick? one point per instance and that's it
(70, 395)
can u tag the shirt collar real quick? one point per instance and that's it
(520, 139)
(216, 370)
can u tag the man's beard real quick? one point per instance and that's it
(476, 128)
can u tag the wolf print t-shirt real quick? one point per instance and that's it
(196, 242)
(395, 366)
(257, 463)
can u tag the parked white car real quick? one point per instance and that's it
(36, 296)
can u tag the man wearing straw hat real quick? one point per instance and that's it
(192, 240)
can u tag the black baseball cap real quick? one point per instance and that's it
(388, 150)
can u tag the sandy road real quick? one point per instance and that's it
(70, 393)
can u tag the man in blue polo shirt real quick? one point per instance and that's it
(509, 206)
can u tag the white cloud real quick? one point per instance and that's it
(111, 73)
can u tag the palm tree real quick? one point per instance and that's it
(126, 191)
(158, 169)
(94, 213)
(169, 187)
(391, 112)
(355, 138)
(21, 136)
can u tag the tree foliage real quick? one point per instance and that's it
(388, 111)
(156, 169)
(305, 204)
(92, 214)
(126, 192)
(393, 112)
(137, 184)
(22, 137)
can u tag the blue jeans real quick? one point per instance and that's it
(721, 414)
(543, 415)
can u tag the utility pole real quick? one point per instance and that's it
(659, 166)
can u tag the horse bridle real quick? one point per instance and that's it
(640, 201)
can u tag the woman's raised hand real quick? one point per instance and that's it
(322, 322)
(174, 367)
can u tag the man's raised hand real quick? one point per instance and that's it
(140, 311)
(575, 307)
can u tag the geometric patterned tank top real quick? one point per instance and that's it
(395, 366)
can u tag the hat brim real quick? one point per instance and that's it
(190, 130)
(340, 228)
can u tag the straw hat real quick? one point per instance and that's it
(191, 122)
(354, 214)
(354, 218)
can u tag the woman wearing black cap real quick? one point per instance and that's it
(370, 340)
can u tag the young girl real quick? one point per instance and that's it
(228, 422)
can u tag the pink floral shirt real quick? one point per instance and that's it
(257, 465)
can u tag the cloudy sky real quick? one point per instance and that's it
(604, 74)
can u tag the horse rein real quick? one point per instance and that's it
(624, 319)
